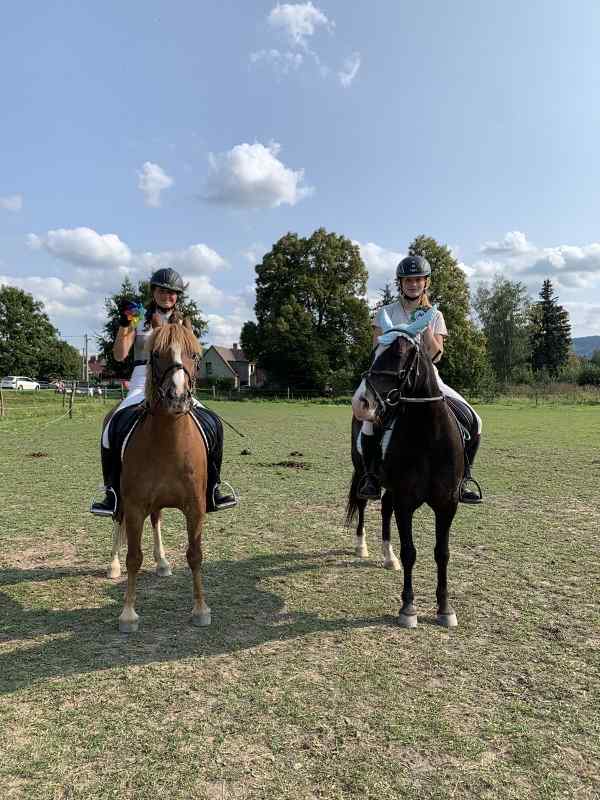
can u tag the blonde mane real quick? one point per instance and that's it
(160, 341)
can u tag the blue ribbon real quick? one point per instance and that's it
(391, 332)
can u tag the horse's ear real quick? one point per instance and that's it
(156, 321)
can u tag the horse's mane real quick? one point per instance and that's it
(179, 335)
(160, 341)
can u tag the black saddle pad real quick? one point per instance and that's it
(121, 424)
(464, 416)
(209, 424)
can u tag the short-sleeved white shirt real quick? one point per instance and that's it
(399, 316)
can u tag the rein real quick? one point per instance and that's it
(160, 379)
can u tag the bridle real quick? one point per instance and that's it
(159, 379)
(406, 377)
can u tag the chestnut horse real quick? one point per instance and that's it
(423, 460)
(165, 466)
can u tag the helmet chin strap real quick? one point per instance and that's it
(164, 310)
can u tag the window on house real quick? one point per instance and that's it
(208, 368)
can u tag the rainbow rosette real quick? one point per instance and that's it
(133, 311)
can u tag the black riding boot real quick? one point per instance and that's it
(369, 487)
(111, 473)
(216, 500)
(466, 495)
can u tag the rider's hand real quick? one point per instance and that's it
(129, 313)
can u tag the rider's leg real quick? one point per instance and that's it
(370, 487)
(216, 500)
(111, 473)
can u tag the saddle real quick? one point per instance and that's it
(124, 422)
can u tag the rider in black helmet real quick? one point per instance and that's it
(167, 287)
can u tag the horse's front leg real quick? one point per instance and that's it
(408, 555)
(134, 524)
(389, 557)
(200, 611)
(443, 520)
(361, 549)
(163, 568)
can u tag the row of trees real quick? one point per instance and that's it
(29, 344)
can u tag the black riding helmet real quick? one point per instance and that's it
(167, 278)
(413, 267)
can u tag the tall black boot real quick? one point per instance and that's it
(467, 495)
(111, 473)
(217, 500)
(370, 486)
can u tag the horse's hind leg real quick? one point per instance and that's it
(163, 568)
(200, 611)
(361, 549)
(445, 613)
(114, 568)
(134, 523)
(389, 557)
(408, 555)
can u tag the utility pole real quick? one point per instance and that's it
(86, 374)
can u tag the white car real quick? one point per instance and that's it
(19, 382)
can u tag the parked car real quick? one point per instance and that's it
(19, 382)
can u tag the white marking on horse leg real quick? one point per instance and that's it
(389, 557)
(163, 568)
(361, 549)
(447, 620)
(114, 568)
(201, 615)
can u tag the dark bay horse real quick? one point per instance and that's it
(423, 461)
(165, 463)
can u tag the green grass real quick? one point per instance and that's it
(304, 686)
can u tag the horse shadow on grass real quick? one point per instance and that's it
(246, 614)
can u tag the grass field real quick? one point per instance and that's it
(304, 686)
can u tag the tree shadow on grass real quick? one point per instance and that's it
(245, 615)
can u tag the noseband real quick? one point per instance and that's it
(406, 378)
(159, 378)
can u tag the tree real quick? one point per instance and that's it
(550, 333)
(387, 296)
(503, 310)
(29, 343)
(123, 369)
(312, 319)
(464, 360)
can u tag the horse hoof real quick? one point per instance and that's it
(393, 564)
(201, 620)
(113, 574)
(361, 552)
(164, 572)
(447, 620)
(129, 626)
(407, 620)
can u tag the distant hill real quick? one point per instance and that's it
(585, 345)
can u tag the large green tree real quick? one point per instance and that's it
(139, 294)
(312, 322)
(503, 310)
(29, 343)
(550, 332)
(464, 360)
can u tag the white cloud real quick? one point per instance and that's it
(251, 176)
(282, 63)
(254, 254)
(380, 263)
(514, 243)
(349, 70)
(204, 292)
(11, 202)
(298, 21)
(83, 247)
(152, 181)
(197, 259)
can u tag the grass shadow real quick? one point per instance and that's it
(245, 615)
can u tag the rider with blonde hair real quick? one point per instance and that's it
(412, 279)
(167, 287)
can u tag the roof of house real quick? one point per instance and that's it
(230, 353)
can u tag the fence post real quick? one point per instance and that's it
(288, 392)
(122, 391)
(214, 391)
(72, 399)
(1, 403)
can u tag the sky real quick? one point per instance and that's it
(195, 134)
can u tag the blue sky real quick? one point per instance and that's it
(141, 134)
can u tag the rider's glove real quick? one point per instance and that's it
(129, 313)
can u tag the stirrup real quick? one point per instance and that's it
(475, 498)
(104, 512)
(230, 503)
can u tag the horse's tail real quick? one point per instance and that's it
(352, 505)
